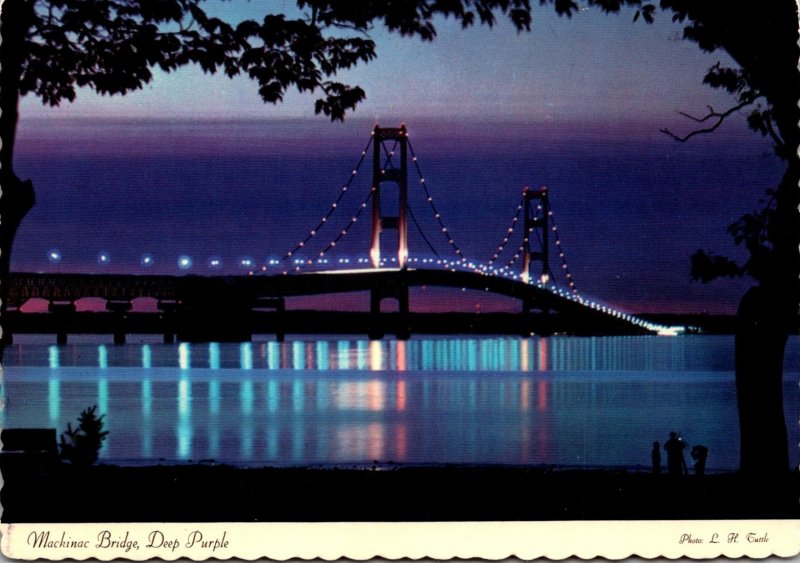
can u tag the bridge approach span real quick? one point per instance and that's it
(205, 305)
(120, 288)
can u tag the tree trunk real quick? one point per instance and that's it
(767, 315)
(761, 336)
(17, 196)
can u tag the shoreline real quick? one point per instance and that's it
(199, 492)
(376, 465)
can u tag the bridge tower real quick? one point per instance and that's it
(536, 200)
(537, 218)
(397, 174)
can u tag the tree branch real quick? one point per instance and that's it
(712, 114)
(779, 143)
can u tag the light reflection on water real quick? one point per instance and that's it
(433, 354)
(565, 401)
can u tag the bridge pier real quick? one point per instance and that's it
(62, 312)
(168, 309)
(119, 308)
(277, 304)
(535, 318)
(377, 328)
(7, 338)
(214, 309)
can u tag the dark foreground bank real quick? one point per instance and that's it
(211, 493)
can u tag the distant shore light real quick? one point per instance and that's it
(54, 256)
(184, 262)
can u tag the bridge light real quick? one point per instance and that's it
(184, 262)
(245, 262)
(147, 260)
(104, 258)
(54, 256)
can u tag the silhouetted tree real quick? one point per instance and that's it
(761, 37)
(81, 445)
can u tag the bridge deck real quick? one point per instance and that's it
(218, 301)
(71, 287)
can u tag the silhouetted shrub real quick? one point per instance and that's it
(81, 445)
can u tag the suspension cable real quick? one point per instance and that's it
(299, 264)
(421, 232)
(313, 232)
(436, 214)
(510, 231)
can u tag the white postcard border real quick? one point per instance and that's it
(700, 539)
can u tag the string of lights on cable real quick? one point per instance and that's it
(331, 210)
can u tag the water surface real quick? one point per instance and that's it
(325, 400)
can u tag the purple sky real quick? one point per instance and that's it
(565, 97)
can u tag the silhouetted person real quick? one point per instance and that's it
(699, 454)
(676, 463)
(656, 455)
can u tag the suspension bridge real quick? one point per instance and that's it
(227, 307)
